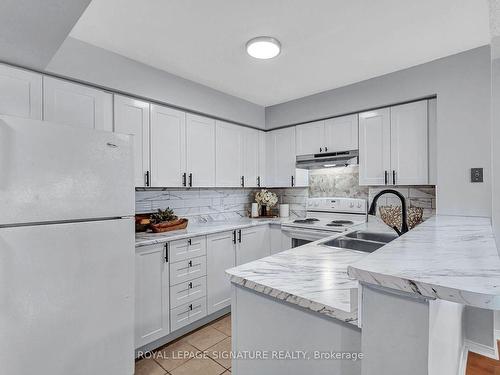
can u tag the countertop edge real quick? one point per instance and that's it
(332, 312)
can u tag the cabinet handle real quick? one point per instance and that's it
(191, 307)
(320, 149)
(190, 264)
(258, 181)
(293, 181)
(239, 236)
(189, 242)
(242, 181)
(234, 236)
(166, 252)
(190, 285)
(190, 179)
(147, 178)
(394, 177)
(184, 179)
(385, 177)
(326, 149)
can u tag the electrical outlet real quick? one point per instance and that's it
(476, 175)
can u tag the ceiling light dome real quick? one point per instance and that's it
(263, 47)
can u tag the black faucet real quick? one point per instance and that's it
(373, 209)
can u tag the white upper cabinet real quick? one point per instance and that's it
(132, 117)
(77, 105)
(393, 145)
(341, 134)
(281, 157)
(311, 138)
(229, 155)
(409, 144)
(20, 93)
(374, 147)
(200, 153)
(262, 176)
(168, 147)
(251, 159)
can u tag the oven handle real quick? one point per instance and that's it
(292, 231)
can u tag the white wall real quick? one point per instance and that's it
(82, 61)
(462, 85)
(495, 115)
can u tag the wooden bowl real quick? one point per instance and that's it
(167, 226)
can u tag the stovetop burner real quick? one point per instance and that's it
(342, 222)
(309, 220)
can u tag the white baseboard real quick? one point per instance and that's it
(474, 347)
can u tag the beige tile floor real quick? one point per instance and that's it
(202, 349)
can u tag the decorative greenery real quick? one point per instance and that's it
(266, 198)
(163, 215)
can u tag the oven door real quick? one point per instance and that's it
(302, 236)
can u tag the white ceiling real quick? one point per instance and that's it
(326, 43)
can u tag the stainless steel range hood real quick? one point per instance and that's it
(327, 160)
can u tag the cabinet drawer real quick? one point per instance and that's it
(188, 313)
(187, 248)
(188, 291)
(187, 270)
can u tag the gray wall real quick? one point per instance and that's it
(462, 85)
(82, 61)
(495, 115)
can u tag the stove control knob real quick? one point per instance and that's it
(351, 204)
(359, 204)
(316, 204)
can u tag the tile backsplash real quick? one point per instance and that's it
(205, 204)
(213, 204)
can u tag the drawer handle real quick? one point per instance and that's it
(191, 307)
(190, 264)
(190, 285)
(189, 242)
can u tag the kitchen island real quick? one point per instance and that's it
(413, 298)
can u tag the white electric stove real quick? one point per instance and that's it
(325, 217)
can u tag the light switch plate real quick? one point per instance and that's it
(476, 175)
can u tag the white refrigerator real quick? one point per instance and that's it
(66, 250)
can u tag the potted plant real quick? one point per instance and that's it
(266, 199)
(166, 220)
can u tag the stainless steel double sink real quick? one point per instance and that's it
(361, 240)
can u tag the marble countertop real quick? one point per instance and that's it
(311, 276)
(447, 257)
(149, 238)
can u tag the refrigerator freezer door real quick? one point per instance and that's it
(66, 298)
(51, 172)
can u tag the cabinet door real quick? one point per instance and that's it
(253, 245)
(20, 93)
(168, 147)
(77, 105)
(200, 153)
(262, 175)
(341, 133)
(151, 294)
(229, 155)
(409, 144)
(281, 148)
(311, 138)
(374, 147)
(251, 157)
(220, 257)
(132, 117)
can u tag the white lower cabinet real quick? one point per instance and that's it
(183, 315)
(220, 256)
(188, 291)
(151, 294)
(252, 244)
(278, 240)
(187, 270)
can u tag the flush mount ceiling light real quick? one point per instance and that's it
(263, 47)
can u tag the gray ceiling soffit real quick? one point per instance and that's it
(31, 31)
